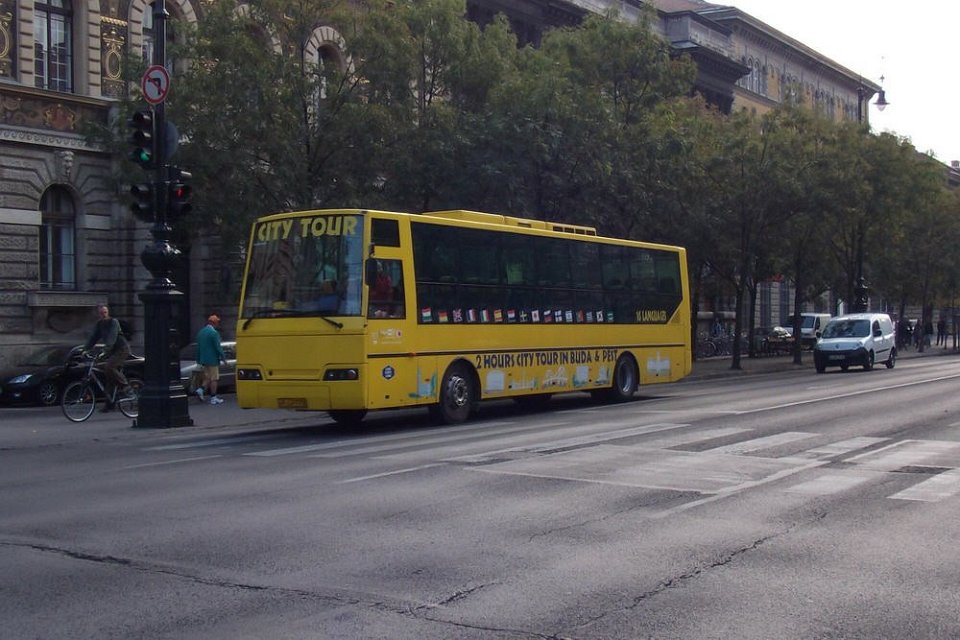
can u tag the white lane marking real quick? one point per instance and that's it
(229, 440)
(852, 394)
(840, 448)
(680, 439)
(422, 443)
(400, 441)
(832, 483)
(535, 447)
(215, 442)
(765, 442)
(166, 462)
(742, 487)
(937, 453)
(939, 487)
(637, 466)
(390, 473)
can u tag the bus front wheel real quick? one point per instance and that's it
(457, 395)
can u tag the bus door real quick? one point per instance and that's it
(392, 376)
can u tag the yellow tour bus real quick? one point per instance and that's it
(348, 311)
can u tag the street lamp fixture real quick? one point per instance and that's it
(880, 104)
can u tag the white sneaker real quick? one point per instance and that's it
(216, 400)
(199, 393)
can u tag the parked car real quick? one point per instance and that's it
(41, 376)
(228, 371)
(862, 339)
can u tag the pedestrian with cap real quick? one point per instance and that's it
(209, 357)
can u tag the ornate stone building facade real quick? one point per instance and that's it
(68, 241)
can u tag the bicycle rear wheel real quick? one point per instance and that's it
(130, 405)
(78, 401)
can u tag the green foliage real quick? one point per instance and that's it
(421, 109)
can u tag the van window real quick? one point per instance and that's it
(847, 329)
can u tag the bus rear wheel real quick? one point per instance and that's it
(347, 417)
(457, 395)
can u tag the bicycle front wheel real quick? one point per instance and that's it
(130, 405)
(78, 401)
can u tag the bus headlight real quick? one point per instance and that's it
(249, 374)
(341, 374)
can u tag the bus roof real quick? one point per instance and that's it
(510, 221)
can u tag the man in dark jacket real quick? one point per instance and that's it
(116, 349)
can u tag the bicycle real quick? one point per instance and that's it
(80, 396)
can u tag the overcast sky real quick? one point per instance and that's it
(914, 45)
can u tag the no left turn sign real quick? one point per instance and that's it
(155, 84)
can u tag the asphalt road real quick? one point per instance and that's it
(783, 505)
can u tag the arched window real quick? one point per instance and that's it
(53, 44)
(329, 62)
(57, 240)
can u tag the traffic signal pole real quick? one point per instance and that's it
(163, 401)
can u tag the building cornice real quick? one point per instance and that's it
(790, 47)
(33, 137)
(15, 89)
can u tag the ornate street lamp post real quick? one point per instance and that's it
(861, 291)
(163, 402)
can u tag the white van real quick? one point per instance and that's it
(859, 339)
(810, 325)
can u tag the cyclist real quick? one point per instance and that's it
(115, 348)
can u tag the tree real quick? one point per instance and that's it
(574, 127)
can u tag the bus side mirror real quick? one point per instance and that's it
(370, 273)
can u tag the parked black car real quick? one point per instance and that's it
(41, 376)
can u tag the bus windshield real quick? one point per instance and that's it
(305, 266)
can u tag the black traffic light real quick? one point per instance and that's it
(143, 202)
(179, 192)
(143, 139)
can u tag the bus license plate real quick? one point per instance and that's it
(292, 403)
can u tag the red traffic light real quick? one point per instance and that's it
(179, 193)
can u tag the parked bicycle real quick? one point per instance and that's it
(80, 397)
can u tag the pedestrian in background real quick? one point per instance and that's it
(942, 332)
(903, 333)
(209, 357)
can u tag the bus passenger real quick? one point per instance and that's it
(381, 293)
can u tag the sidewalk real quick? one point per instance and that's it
(718, 367)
